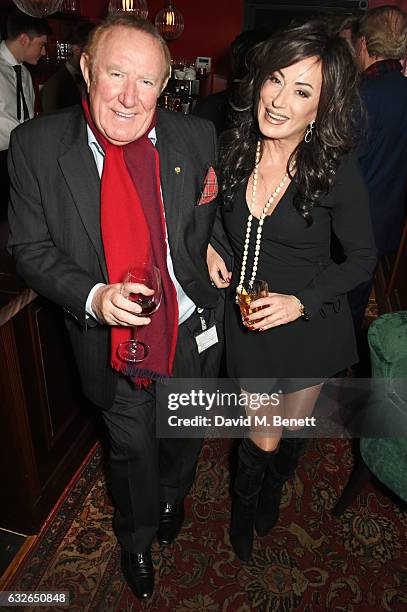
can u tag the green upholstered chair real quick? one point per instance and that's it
(383, 446)
(386, 456)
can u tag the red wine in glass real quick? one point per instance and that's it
(147, 302)
(134, 351)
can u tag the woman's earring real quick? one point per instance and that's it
(309, 132)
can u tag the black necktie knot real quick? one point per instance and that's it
(20, 94)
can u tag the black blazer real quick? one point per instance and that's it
(296, 260)
(54, 218)
(383, 153)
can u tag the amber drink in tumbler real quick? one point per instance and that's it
(251, 291)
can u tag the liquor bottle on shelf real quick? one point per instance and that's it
(187, 105)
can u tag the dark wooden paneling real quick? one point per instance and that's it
(46, 424)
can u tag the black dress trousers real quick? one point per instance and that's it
(144, 470)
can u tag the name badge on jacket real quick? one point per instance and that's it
(208, 336)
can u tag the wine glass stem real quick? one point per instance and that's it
(134, 331)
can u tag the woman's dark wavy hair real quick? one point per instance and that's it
(339, 111)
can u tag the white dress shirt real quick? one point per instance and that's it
(8, 94)
(185, 305)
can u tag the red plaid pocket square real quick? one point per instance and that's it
(210, 188)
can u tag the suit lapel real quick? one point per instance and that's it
(80, 172)
(174, 166)
(79, 169)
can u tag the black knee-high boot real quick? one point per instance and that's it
(252, 463)
(280, 468)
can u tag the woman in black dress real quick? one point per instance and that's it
(288, 181)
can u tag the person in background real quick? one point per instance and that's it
(25, 42)
(95, 190)
(64, 88)
(288, 179)
(217, 107)
(381, 43)
(348, 28)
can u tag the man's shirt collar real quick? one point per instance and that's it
(7, 55)
(94, 143)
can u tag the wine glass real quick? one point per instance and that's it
(251, 290)
(134, 351)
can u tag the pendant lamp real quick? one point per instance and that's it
(169, 22)
(137, 7)
(38, 8)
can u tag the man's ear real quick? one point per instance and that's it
(164, 85)
(24, 39)
(363, 43)
(84, 64)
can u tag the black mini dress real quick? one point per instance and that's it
(296, 260)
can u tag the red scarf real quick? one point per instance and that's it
(133, 231)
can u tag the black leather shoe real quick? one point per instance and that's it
(171, 521)
(138, 571)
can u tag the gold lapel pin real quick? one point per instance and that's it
(177, 170)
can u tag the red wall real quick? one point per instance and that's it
(210, 26)
(401, 3)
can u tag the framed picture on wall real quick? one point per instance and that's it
(277, 14)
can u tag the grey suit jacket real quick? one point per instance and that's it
(54, 218)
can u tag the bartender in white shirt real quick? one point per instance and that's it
(25, 42)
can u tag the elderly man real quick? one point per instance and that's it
(381, 43)
(74, 236)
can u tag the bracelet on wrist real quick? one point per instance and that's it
(303, 313)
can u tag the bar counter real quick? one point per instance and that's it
(47, 426)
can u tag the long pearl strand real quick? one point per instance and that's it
(261, 222)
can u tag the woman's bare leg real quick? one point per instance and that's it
(297, 405)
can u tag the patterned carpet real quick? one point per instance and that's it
(310, 562)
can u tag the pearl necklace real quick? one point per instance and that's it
(261, 222)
